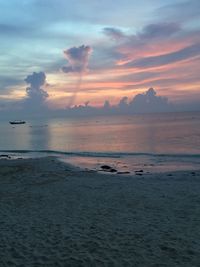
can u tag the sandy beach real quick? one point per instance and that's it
(53, 214)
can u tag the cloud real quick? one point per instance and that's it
(159, 30)
(149, 102)
(7, 81)
(67, 69)
(182, 11)
(114, 33)
(162, 83)
(36, 80)
(35, 100)
(7, 29)
(152, 38)
(146, 102)
(106, 105)
(19, 31)
(77, 58)
(35, 95)
(123, 103)
(155, 61)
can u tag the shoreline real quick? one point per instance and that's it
(124, 163)
(55, 214)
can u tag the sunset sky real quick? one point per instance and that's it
(100, 50)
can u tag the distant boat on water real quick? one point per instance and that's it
(17, 122)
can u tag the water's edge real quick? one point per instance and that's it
(123, 162)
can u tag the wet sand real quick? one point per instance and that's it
(53, 214)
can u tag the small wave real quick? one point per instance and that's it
(103, 154)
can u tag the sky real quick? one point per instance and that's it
(64, 53)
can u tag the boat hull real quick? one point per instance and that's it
(17, 122)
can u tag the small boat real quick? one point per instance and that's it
(17, 122)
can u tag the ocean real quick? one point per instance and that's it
(153, 142)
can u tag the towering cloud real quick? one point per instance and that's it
(35, 95)
(146, 102)
(149, 102)
(78, 58)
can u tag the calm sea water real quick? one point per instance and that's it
(157, 138)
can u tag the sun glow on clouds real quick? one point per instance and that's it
(128, 55)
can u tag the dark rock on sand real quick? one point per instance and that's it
(113, 170)
(139, 171)
(106, 167)
(5, 156)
